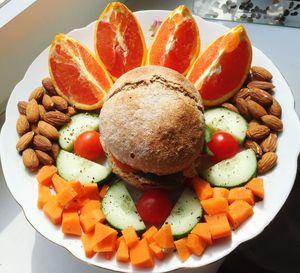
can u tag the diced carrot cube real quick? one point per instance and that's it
(183, 251)
(102, 231)
(88, 220)
(157, 251)
(215, 205)
(107, 255)
(164, 237)
(149, 233)
(202, 188)
(90, 190)
(44, 176)
(58, 183)
(66, 195)
(77, 186)
(103, 191)
(239, 212)
(89, 206)
(202, 230)
(77, 203)
(256, 185)
(220, 192)
(218, 225)
(70, 223)
(107, 245)
(241, 193)
(53, 210)
(43, 196)
(140, 255)
(195, 244)
(130, 236)
(88, 244)
(122, 252)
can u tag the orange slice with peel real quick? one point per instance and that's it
(222, 68)
(76, 74)
(119, 40)
(176, 43)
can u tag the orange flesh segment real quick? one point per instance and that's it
(130, 236)
(241, 193)
(239, 212)
(218, 225)
(183, 251)
(149, 233)
(140, 255)
(202, 230)
(53, 210)
(70, 223)
(88, 244)
(157, 251)
(215, 205)
(122, 254)
(164, 237)
(195, 244)
(45, 174)
(43, 196)
(256, 185)
(202, 188)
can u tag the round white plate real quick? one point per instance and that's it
(278, 183)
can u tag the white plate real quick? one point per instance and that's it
(278, 183)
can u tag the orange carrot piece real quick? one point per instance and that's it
(89, 206)
(140, 255)
(103, 191)
(119, 239)
(239, 212)
(156, 251)
(107, 255)
(215, 205)
(102, 231)
(241, 193)
(164, 237)
(45, 174)
(122, 252)
(77, 186)
(218, 225)
(202, 230)
(106, 245)
(202, 188)
(77, 203)
(70, 223)
(88, 244)
(149, 233)
(183, 251)
(256, 185)
(90, 190)
(88, 220)
(195, 244)
(53, 210)
(130, 236)
(220, 192)
(43, 196)
(58, 183)
(66, 195)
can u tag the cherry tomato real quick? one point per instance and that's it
(154, 206)
(88, 145)
(223, 145)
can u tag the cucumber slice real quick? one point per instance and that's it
(222, 119)
(119, 208)
(232, 172)
(73, 167)
(186, 213)
(78, 124)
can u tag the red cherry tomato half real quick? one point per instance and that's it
(223, 145)
(88, 145)
(154, 206)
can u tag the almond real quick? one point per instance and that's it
(275, 109)
(55, 150)
(32, 111)
(253, 122)
(34, 128)
(241, 105)
(59, 103)
(47, 102)
(22, 125)
(42, 143)
(255, 109)
(48, 130)
(230, 107)
(261, 85)
(269, 144)
(260, 96)
(250, 144)
(243, 93)
(37, 94)
(48, 85)
(258, 132)
(30, 159)
(266, 163)
(22, 107)
(44, 158)
(24, 141)
(71, 111)
(42, 111)
(56, 118)
(261, 73)
(274, 123)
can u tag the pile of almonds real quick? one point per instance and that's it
(255, 102)
(38, 124)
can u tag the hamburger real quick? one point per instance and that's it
(152, 127)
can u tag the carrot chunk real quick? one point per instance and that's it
(45, 174)
(218, 225)
(164, 237)
(256, 185)
(220, 192)
(140, 255)
(157, 251)
(107, 255)
(195, 244)
(107, 245)
(149, 233)
(202, 230)
(241, 193)
(183, 251)
(130, 236)
(88, 244)
(53, 210)
(43, 196)
(89, 219)
(90, 190)
(70, 223)
(202, 188)
(122, 252)
(103, 191)
(102, 231)
(239, 212)
(77, 186)
(66, 195)
(89, 206)
(77, 203)
(58, 183)
(215, 205)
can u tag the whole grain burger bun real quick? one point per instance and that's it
(152, 120)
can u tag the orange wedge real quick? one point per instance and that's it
(222, 68)
(176, 43)
(76, 74)
(119, 40)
